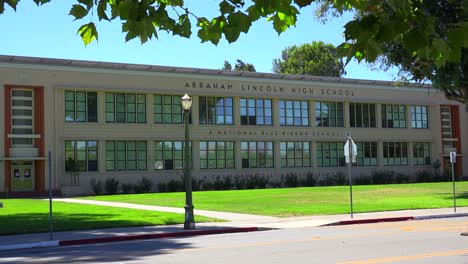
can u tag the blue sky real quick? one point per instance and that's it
(48, 31)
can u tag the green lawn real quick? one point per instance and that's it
(310, 200)
(31, 216)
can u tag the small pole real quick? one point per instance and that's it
(50, 197)
(350, 147)
(453, 182)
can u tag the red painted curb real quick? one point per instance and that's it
(155, 236)
(376, 220)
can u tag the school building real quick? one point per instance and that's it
(103, 120)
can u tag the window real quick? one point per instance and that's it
(395, 153)
(169, 155)
(329, 114)
(168, 109)
(422, 153)
(419, 116)
(330, 154)
(366, 154)
(362, 115)
(125, 155)
(217, 155)
(255, 111)
(393, 116)
(22, 117)
(216, 110)
(294, 113)
(125, 108)
(80, 106)
(257, 154)
(295, 154)
(81, 155)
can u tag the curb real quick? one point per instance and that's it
(371, 221)
(441, 216)
(74, 242)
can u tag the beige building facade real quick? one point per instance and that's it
(109, 120)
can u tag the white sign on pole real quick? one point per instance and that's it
(453, 157)
(353, 150)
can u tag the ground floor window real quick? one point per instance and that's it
(126, 155)
(217, 155)
(366, 153)
(295, 154)
(395, 153)
(81, 155)
(257, 154)
(330, 154)
(169, 155)
(422, 153)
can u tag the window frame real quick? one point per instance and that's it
(359, 116)
(89, 115)
(417, 117)
(394, 154)
(87, 152)
(120, 152)
(215, 153)
(389, 110)
(215, 112)
(422, 160)
(336, 152)
(294, 113)
(263, 115)
(332, 118)
(120, 107)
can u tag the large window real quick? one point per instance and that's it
(422, 153)
(257, 154)
(255, 111)
(216, 110)
(80, 106)
(366, 153)
(22, 117)
(395, 153)
(125, 108)
(394, 116)
(81, 155)
(419, 116)
(169, 155)
(362, 115)
(125, 155)
(167, 109)
(217, 155)
(330, 154)
(329, 114)
(294, 113)
(295, 154)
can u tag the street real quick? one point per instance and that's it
(429, 241)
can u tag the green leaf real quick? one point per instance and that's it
(88, 33)
(101, 10)
(78, 11)
(226, 8)
(87, 3)
(41, 2)
(303, 3)
(414, 40)
(11, 3)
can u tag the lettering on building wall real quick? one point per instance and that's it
(276, 133)
(207, 85)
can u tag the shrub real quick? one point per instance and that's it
(362, 180)
(310, 179)
(127, 188)
(197, 185)
(255, 181)
(111, 186)
(425, 176)
(162, 187)
(96, 186)
(175, 186)
(239, 182)
(383, 177)
(326, 180)
(144, 186)
(340, 178)
(291, 180)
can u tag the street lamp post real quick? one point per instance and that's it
(189, 222)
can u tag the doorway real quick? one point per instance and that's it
(22, 176)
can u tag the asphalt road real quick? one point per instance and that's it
(430, 241)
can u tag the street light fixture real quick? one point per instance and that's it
(189, 222)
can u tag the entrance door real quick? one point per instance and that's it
(22, 176)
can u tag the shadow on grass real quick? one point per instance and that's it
(39, 222)
(463, 195)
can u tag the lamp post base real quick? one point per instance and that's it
(189, 218)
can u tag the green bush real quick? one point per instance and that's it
(239, 182)
(111, 186)
(340, 178)
(291, 180)
(127, 188)
(144, 186)
(96, 186)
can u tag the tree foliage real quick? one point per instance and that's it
(316, 58)
(427, 37)
(239, 66)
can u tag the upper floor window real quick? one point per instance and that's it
(22, 117)
(294, 113)
(362, 115)
(295, 154)
(395, 153)
(125, 108)
(422, 153)
(255, 111)
(366, 154)
(169, 155)
(330, 154)
(80, 106)
(217, 155)
(216, 110)
(81, 155)
(257, 154)
(168, 109)
(393, 116)
(419, 115)
(329, 114)
(125, 155)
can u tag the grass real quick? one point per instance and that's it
(32, 215)
(310, 200)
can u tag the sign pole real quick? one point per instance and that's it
(50, 197)
(349, 175)
(453, 158)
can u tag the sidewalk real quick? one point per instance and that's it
(238, 223)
